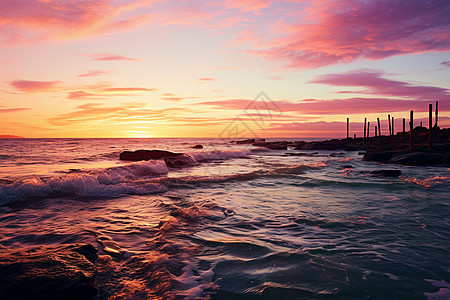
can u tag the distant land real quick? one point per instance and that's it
(6, 136)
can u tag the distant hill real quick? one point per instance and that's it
(6, 136)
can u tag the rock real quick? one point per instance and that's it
(381, 156)
(272, 145)
(250, 141)
(386, 173)
(54, 272)
(347, 167)
(418, 159)
(6, 181)
(326, 145)
(197, 147)
(179, 161)
(146, 154)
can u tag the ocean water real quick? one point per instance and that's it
(240, 222)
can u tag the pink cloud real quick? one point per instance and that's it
(32, 86)
(34, 20)
(446, 63)
(104, 92)
(373, 83)
(93, 73)
(335, 106)
(247, 5)
(333, 32)
(110, 57)
(10, 110)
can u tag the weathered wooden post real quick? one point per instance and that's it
(379, 132)
(404, 133)
(436, 116)
(354, 136)
(393, 129)
(365, 121)
(348, 126)
(390, 129)
(430, 124)
(411, 126)
(368, 131)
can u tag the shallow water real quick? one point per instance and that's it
(239, 223)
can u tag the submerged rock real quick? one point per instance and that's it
(381, 156)
(197, 147)
(146, 154)
(272, 145)
(386, 173)
(54, 272)
(179, 161)
(419, 159)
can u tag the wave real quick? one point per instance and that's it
(140, 178)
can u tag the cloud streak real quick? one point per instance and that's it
(34, 86)
(342, 31)
(374, 84)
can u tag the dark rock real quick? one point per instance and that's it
(250, 141)
(48, 273)
(5, 181)
(272, 145)
(325, 145)
(179, 161)
(386, 173)
(146, 154)
(381, 156)
(299, 154)
(418, 159)
(347, 167)
(197, 147)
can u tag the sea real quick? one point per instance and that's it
(238, 222)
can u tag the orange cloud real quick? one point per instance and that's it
(93, 73)
(205, 80)
(102, 92)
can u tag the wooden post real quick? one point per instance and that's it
(368, 131)
(379, 132)
(430, 124)
(365, 126)
(348, 127)
(354, 136)
(411, 127)
(403, 135)
(393, 130)
(436, 116)
(390, 129)
(379, 127)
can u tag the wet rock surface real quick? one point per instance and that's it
(146, 154)
(56, 272)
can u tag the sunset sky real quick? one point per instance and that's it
(157, 68)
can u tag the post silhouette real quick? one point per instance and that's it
(411, 126)
(365, 136)
(348, 127)
(436, 116)
(430, 124)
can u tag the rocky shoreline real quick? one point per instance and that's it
(384, 149)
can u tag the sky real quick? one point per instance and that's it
(226, 69)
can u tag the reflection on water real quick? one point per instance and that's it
(258, 225)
